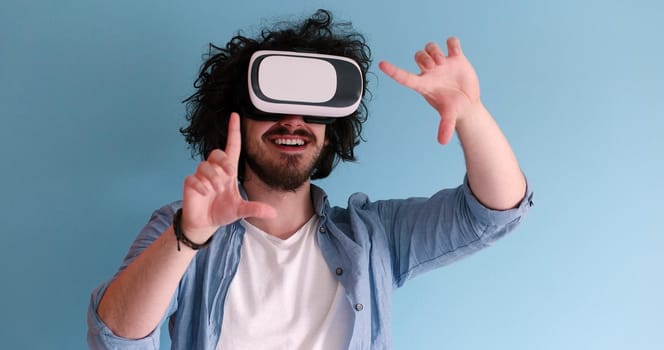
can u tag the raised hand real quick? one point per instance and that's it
(448, 83)
(211, 197)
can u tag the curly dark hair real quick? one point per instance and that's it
(222, 85)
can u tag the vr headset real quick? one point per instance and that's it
(318, 87)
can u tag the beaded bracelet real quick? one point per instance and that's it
(179, 233)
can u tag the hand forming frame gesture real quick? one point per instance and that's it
(448, 83)
(211, 197)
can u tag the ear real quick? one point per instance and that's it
(328, 130)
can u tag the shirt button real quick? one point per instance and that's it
(339, 271)
(322, 229)
(359, 307)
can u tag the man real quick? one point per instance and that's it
(253, 257)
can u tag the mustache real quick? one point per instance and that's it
(280, 130)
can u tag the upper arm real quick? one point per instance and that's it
(425, 233)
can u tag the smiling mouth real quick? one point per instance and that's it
(284, 138)
(289, 142)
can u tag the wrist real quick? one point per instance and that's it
(182, 237)
(475, 111)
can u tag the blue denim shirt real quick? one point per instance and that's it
(376, 245)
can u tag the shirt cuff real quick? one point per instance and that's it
(492, 217)
(101, 337)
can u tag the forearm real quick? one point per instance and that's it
(493, 171)
(135, 302)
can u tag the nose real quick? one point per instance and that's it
(292, 121)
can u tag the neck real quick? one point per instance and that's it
(294, 208)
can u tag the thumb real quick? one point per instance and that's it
(249, 209)
(446, 128)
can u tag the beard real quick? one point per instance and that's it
(287, 172)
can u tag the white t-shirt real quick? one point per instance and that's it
(284, 296)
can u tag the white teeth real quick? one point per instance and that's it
(289, 142)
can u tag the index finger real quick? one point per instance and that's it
(401, 76)
(234, 138)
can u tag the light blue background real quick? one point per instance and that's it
(90, 104)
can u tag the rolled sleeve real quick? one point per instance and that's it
(101, 337)
(498, 222)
